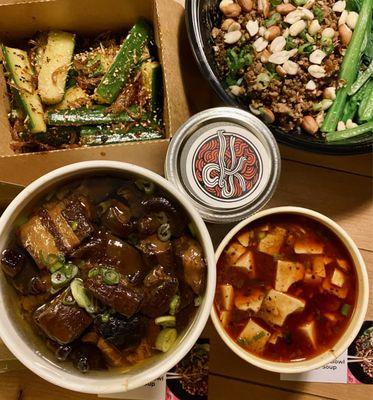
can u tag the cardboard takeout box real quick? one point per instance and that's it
(21, 20)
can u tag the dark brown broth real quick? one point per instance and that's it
(293, 346)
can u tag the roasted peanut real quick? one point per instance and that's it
(284, 9)
(232, 37)
(227, 23)
(329, 93)
(339, 6)
(278, 44)
(263, 6)
(252, 27)
(316, 71)
(280, 71)
(264, 57)
(296, 28)
(352, 19)
(229, 8)
(267, 115)
(317, 56)
(260, 44)
(309, 124)
(272, 32)
(290, 67)
(246, 5)
(345, 33)
(234, 27)
(311, 85)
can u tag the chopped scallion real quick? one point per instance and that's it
(345, 309)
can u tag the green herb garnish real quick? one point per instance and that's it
(318, 13)
(74, 225)
(345, 309)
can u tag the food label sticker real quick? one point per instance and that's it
(227, 166)
(335, 372)
(155, 390)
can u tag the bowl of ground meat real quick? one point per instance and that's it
(303, 66)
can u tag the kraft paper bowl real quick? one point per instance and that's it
(31, 350)
(359, 311)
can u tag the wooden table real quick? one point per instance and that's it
(340, 187)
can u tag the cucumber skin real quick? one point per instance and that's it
(18, 97)
(152, 77)
(365, 112)
(99, 135)
(119, 71)
(89, 116)
(52, 93)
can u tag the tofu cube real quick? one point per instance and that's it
(246, 261)
(340, 292)
(338, 278)
(244, 238)
(234, 252)
(251, 302)
(277, 306)
(309, 331)
(272, 242)
(343, 264)
(254, 337)
(318, 266)
(227, 296)
(275, 337)
(287, 273)
(224, 317)
(308, 246)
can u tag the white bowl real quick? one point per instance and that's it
(30, 349)
(356, 320)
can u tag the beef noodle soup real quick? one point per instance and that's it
(107, 271)
(286, 288)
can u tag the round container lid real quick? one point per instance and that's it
(227, 161)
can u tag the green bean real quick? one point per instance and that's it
(349, 68)
(349, 133)
(361, 80)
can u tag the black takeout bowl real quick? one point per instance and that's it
(201, 16)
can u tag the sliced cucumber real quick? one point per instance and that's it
(91, 116)
(21, 73)
(165, 339)
(55, 66)
(73, 95)
(103, 134)
(151, 73)
(125, 61)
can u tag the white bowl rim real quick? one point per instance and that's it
(357, 319)
(120, 383)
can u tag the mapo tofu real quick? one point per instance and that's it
(286, 288)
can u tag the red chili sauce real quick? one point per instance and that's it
(286, 288)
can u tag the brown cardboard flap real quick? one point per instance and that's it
(7, 193)
(25, 168)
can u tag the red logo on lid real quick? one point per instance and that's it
(226, 166)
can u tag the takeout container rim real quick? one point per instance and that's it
(360, 307)
(120, 383)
